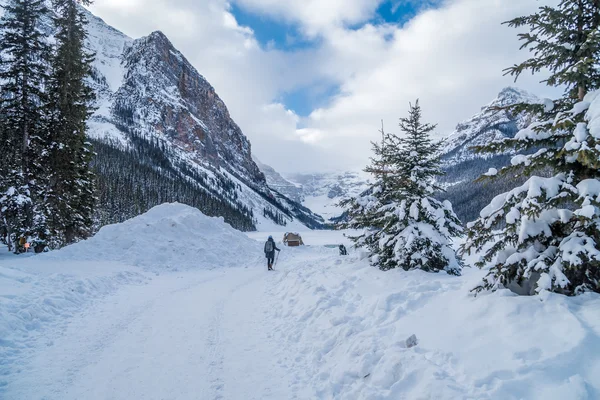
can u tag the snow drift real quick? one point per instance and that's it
(346, 324)
(169, 237)
(40, 294)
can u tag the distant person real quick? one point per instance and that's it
(270, 248)
(21, 245)
(343, 251)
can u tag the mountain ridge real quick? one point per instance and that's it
(158, 116)
(321, 192)
(463, 166)
(493, 122)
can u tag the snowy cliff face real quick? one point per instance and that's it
(280, 184)
(148, 86)
(163, 94)
(162, 134)
(486, 126)
(463, 165)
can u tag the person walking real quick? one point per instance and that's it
(270, 248)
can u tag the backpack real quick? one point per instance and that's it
(269, 247)
(343, 251)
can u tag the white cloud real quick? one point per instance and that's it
(246, 76)
(451, 58)
(315, 16)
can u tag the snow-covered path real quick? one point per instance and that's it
(202, 335)
(320, 327)
(138, 313)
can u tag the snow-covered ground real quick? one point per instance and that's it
(175, 305)
(310, 237)
(324, 206)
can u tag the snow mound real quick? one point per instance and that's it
(39, 294)
(346, 324)
(168, 237)
(40, 297)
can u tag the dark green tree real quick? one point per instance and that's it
(406, 227)
(418, 229)
(23, 129)
(71, 182)
(544, 234)
(362, 213)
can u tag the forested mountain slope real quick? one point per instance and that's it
(162, 134)
(463, 165)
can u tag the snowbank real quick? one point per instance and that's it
(335, 325)
(40, 294)
(350, 324)
(169, 237)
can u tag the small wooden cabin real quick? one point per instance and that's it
(292, 239)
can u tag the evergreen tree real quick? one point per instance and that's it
(544, 234)
(406, 226)
(23, 66)
(363, 212)
(71, 183)
(418, 229)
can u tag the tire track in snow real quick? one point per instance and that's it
(215, 357)
(217, 366)
(52, 374)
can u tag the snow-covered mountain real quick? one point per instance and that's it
(277, 182)
(162, 134)
(463, 165)
(322, 192)
(319, 192)
(492, 123)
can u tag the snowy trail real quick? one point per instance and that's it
(203, 335)
(138, 313)
(319, 327)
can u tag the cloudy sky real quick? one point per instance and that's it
(309, 81)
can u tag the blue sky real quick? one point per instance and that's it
(270, 32)
(276, 33)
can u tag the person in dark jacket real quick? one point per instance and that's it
(270, 248)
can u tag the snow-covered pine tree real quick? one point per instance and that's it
(71, 183)
(417, 228)
(404, 225)
(544, 235)
(23, 66)
(363, 212)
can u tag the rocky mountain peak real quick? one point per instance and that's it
(162, 93)
(491, 123)
(512, 95)
(462, 165)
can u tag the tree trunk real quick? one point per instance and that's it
(581, 40)
(582, 92)
(9, 242)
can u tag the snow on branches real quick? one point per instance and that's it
(545, 234)
(404, 225)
